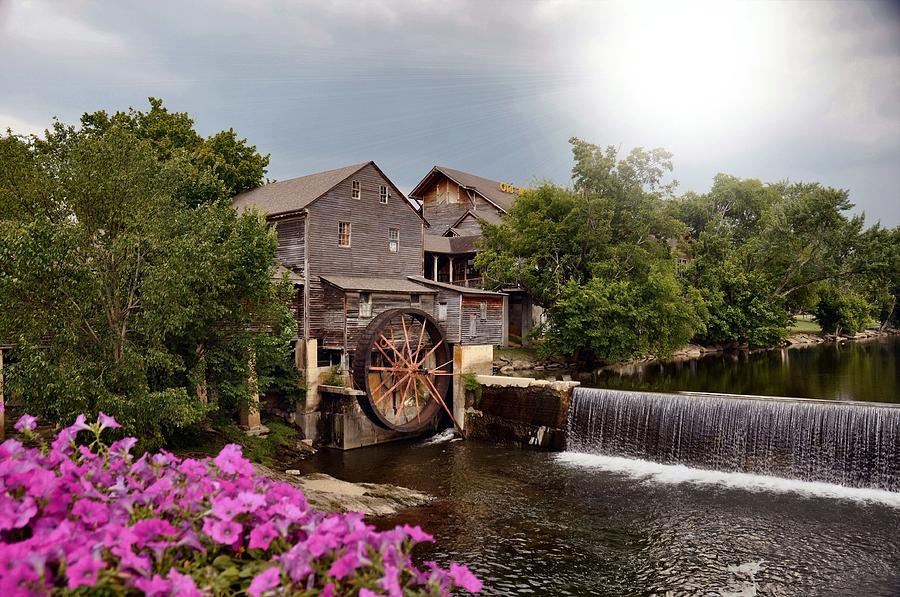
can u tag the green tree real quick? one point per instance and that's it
(598, 257)
(841, 310)
(121, 290)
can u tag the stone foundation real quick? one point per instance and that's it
(519, 411)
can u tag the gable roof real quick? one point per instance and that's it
(292, 195)
(487, 188)
(491, 217)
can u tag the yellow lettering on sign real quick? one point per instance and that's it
(511, 188)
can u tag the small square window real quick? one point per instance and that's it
(383, 194)
(344, 234)
(415, 300)
(393, 240)
(355, 190)
(442, 312)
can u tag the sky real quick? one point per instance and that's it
(802, 91)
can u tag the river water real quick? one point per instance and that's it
(539, 523)
(866, 370)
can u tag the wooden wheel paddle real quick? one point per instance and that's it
(402, 363)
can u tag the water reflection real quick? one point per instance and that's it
(868, 371)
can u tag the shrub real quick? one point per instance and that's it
(93, 519)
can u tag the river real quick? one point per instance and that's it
(867, 370)
(539, 523)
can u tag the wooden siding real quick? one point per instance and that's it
(470, 226)
(292, 243)
(451, 325)
(368, 254)
(474, 330)
(445, 202)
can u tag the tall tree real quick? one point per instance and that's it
(122, 292)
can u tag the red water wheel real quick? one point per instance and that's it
(402, 363)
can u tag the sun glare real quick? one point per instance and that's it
(684, 65)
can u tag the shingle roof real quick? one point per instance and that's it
(368, 284)
(487, 188)
(280, 271)
(460, 289)
(294, 194)
(450, 245)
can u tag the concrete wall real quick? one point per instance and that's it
(477, 359)
(519, 411)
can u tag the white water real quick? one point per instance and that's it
(666, 473)
(447, 435)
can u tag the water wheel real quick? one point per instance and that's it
(402, 363)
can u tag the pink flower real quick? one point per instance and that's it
(183, 585)
(464, 578)
(226, 508)
(261, 536)
(107, 422)
(25, 422)
(345, 565)
(417, 534)
(368, 593)
(83, 572)
(265, 581)
(226, 532)
(145, 530)
(230, 461)
(251, 501)
(154, 587)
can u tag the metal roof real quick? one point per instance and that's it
(450, 245)
(368, 284)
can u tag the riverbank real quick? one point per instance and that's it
(507, 361)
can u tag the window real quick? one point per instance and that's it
(383, 194)
(365, 304)
(355, 191)
(394, 240)
(483, 307)
(415, 300)
(344, 234)
(442, 312)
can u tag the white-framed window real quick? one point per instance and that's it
(383, 194)
(365, 304)
(344, 234)
(355, 190)
(483, 313)
(415, 300)
(442, 311)
(393, 240)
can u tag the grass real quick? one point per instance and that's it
(516, 354)
(273, 450)
(805, 326)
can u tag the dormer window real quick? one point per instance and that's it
(383, 194)
(355, 190)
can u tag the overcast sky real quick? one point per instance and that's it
(801, 91)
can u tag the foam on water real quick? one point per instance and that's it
(668, 473)
(447, 435)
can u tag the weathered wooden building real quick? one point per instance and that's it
(455, 205)
(352, 243)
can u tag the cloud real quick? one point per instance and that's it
(20, 126)
(56, 28)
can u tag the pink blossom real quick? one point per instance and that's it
(226, 508)
(231, 462)
(345, 565)
(25, 422)
(226, 532)
(417, 534)
(264, 581)
(261, 536)
(183, 585)
(107, 422)
(156, 586)
(83, 572)
(464, 578)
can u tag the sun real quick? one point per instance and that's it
(684, 65)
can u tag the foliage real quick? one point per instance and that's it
(122, 290)
(92, 518)
(841, 310)
(597, 257)
(333, 377)
(621, 319)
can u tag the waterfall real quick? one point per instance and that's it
(853, 444)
